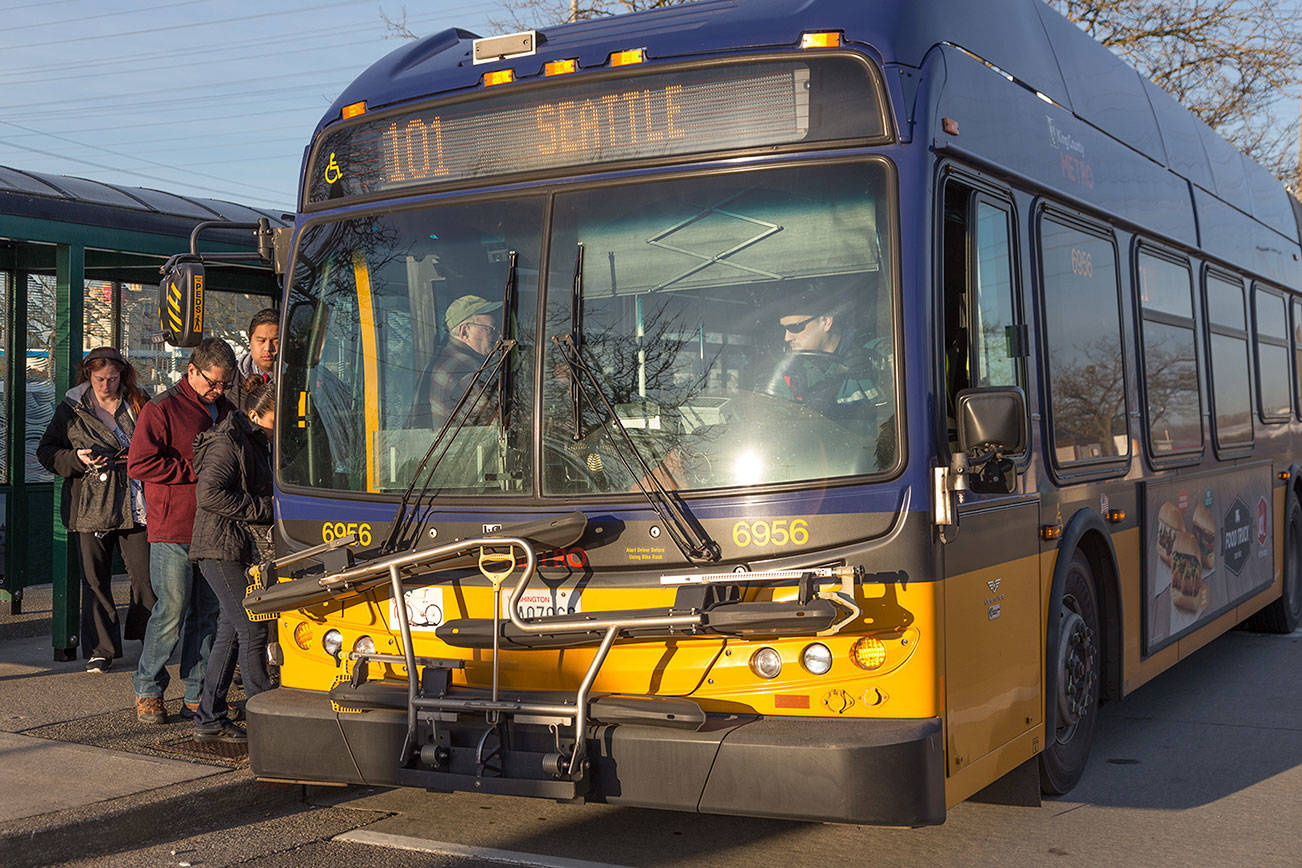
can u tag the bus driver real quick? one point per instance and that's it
(471, 335)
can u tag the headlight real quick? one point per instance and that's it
(817, 658)
(333, 643)
(766, 663)
(364, 645)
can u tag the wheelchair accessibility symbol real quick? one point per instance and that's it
(332, 171)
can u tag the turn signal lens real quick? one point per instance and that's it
(766, 663)
(303, 636)
(501, 76)
(364, 645)
(561, 67)
(333, 642)
(352, 110)
(868, 653)
(816, 658)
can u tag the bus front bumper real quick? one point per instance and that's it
(875, 771)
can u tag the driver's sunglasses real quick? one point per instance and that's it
(797, 327)
(216, 387)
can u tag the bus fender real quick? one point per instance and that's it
(1084, 522)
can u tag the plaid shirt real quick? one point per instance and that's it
(449, 377)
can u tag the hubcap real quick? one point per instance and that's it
(1077, 672)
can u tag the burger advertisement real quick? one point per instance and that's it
(1206, 549)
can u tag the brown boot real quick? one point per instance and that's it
(149, 709)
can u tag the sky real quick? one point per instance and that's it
(213, 98)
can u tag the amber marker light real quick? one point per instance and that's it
(353, 110)
(826, 39)
(303, 636)
(499, 76)
(1116, 516)
(560, 67)
(628, 58)
(1283, 476)
(868, 653)
(1050, 531)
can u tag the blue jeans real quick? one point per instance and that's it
(184, 598)
(238, 638)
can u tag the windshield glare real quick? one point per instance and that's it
(740, 326)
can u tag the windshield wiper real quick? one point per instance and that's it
(498, 358)
(691, 539)
(576, 337)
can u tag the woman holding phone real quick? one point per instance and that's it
(86, 443)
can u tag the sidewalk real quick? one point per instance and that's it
(80, 775)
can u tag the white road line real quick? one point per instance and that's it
(442, 848)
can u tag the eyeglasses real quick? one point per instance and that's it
(492, 329)
(219, 386)
(797, 327)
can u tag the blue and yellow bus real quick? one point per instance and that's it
(794, 410)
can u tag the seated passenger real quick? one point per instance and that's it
(471, 335)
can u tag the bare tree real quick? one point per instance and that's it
(524, 14)
(1227, 61)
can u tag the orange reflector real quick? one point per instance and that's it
(1283, 475)
(500, 76)
(1116, 516)
(353, 110)
(624, 58)
(1050, 531)
(560, 67)
(868, 653)
(829, 39)
(790, 700)
(303, 636)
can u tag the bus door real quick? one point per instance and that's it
(991, 597)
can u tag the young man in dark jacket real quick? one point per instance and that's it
(258, 365)
(161, 454)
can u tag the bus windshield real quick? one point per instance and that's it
(739, 328)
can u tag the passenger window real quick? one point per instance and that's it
(1297, 354)
(1082, 334)
(1173, 408)
(1271, 320)
(984, 341)
(1228, 356)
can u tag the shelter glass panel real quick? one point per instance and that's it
(97, 315)
(1082, 319)
(40, 370)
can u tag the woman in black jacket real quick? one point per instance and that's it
(232, 529)
(86, 443)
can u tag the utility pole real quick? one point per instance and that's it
(1297, 180)
(574, 16)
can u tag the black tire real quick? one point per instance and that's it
(1077, 660)
(1285, 614)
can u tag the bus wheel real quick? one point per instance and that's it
(1285, 614)
(1076, 661)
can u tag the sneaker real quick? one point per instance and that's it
(98, 664)
(228, 734)
(149, 709)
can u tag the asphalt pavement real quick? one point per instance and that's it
(1202, 766)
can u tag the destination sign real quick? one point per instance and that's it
(719, 108)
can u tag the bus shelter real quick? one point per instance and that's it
(79, 268)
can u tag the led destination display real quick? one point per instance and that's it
(719, 108)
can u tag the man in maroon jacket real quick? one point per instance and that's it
(161, 451)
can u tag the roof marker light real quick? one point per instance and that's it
(352, 110)
(561, 67)
(826, 39)
(626, 58)
(499, 76)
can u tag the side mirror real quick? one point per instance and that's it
(180, 303)
(991, 427)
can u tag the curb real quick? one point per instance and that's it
(130, 822)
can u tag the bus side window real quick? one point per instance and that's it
(1297, 354)
(983, 339)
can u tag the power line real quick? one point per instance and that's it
(173, 27)
(82, 18)
(138, 159)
